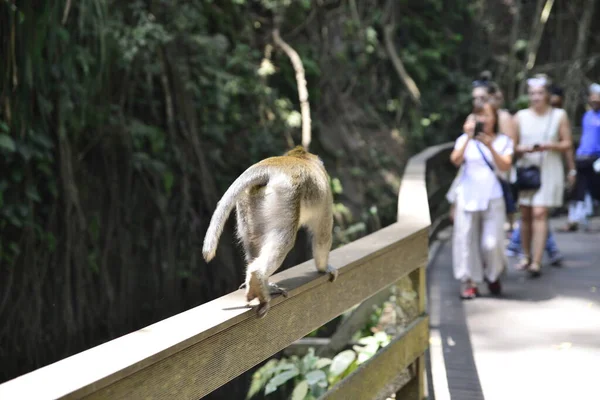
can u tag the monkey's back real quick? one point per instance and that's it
(297, 191)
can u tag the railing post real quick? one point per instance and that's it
(415, 388)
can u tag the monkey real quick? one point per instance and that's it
(274, 198)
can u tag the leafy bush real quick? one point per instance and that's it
(312, 375)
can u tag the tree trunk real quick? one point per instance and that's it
(574, 74)
(536, 38)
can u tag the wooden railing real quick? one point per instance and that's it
(193, 353)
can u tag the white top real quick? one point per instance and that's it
(537, 129)
(478, 184)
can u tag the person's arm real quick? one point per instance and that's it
(469, 124)
(519, 148)
(508, 126)
(572, 173)
(565, 138)
(457, 157)
(503, 161)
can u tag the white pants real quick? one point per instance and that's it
(478, 242)
(451, 195)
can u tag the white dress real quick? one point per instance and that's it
(538, 129)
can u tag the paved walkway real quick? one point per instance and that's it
(541, 340)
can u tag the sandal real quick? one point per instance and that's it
(534, 270)
(495, 287)
(523, 263)
(469, 293)
(569, 227)
(468, 290)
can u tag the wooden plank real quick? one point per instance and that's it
(372, 376)
(191, 354)
(412, 196)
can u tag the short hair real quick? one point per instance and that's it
(485, 81)
(557, 91)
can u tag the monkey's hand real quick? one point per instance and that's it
(262, 309)
(333, 273)
(273, 289)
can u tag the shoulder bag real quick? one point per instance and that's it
(530, 177)
(509, 202)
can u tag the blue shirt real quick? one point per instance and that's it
(589, 144)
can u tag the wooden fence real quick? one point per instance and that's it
(193, 353)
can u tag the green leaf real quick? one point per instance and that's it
(33, 194)
(341, 362)
(309, 360)
(300, 391)
(280, 379)
(260, 377)
(322, 362)
(316, 377)
(7, 143)
(168, 180)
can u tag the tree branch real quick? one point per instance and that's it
(534, 42)
(399, 66)
(574, 73)
(302, 86)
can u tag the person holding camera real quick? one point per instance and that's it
(544, 133)
(480, 212)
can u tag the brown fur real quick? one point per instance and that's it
(273, 199)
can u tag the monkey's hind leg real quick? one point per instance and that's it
(321, 245)
(245, 232)
(276, 245)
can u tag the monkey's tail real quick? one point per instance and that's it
(255, 175)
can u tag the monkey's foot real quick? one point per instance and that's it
(276, 289)
(333, 273)
(262, 310)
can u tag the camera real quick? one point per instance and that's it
(478, 128)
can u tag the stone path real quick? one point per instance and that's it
(541, 340)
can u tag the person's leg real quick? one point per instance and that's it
(466, 230)
(514, 245)
(526, 236)
(572, 219)
(492, 238)
(552, 250)
(539, 237)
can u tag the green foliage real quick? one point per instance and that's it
(312, 375)
(122, 123)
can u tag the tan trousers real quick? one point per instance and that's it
(478, 243)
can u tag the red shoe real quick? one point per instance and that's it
(495, 287)
(469, 293)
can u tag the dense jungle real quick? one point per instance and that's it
(122, 124)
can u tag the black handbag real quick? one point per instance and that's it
(509, 201)
(530, 177)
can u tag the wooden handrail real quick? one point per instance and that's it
(193, 353)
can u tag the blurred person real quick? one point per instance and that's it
(587, 184)
(507, 126)
(544, 133)
(480, 95)
(514, 246)
(480, 209)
